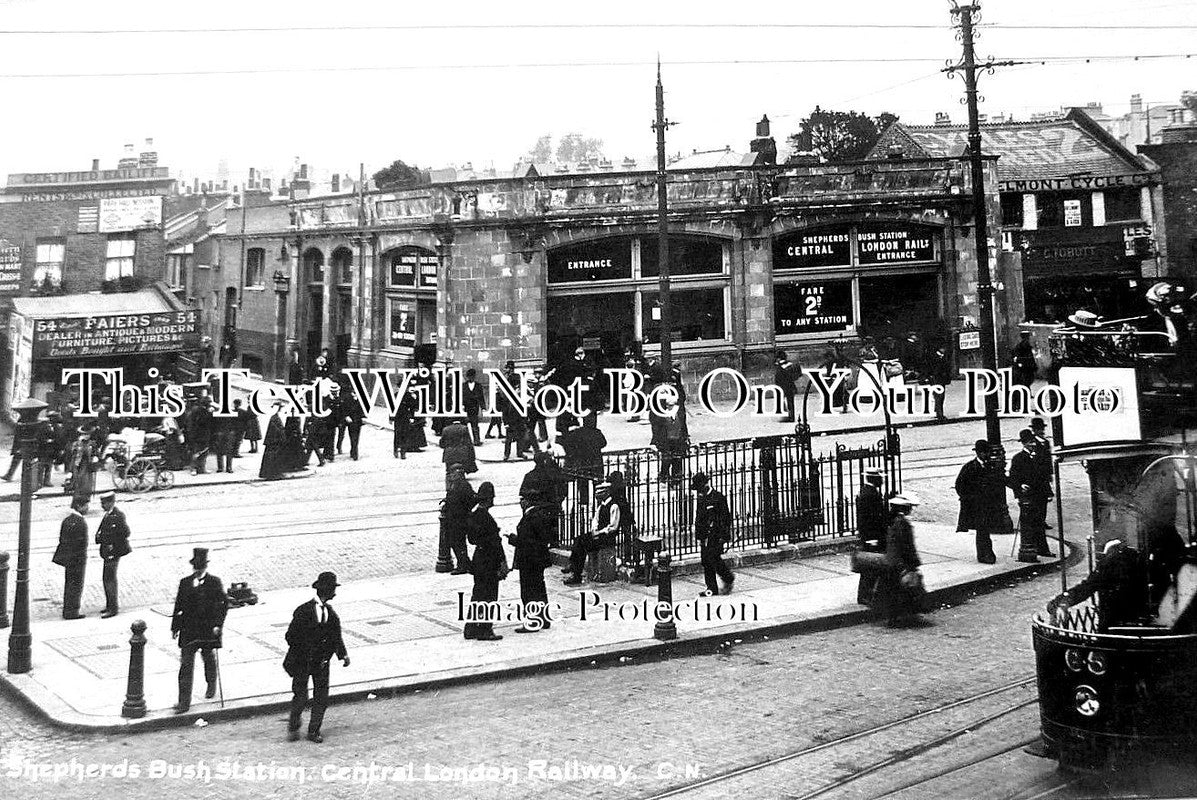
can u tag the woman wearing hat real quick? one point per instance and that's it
(900, 586)
(489, 563)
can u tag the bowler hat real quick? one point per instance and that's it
(1038, 424)
(326, 580)
(982, 446)
(486, 491)
(699, 481)
(199, 557)
(1027, 436)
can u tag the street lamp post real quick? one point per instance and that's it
(20, 642)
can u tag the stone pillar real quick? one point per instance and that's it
(327, 334)
(291, 309)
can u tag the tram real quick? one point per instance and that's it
(1116, 651)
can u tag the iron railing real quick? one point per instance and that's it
(779, 491)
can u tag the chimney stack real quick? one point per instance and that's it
(336, 182)
(95, 165)
(763, 145)
(129, 159)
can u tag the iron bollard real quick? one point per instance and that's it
(3, 590)
(444, 558)
(665, 628)
(134, 705)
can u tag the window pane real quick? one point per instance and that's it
(686, 256)
(604, 322)
(696, 315)
(1122, 204)
(121, 247)
(50, 252)
(1012, 210)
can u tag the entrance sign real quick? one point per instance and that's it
(603, 260)
(895, 244)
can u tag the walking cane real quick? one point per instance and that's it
(216, 657)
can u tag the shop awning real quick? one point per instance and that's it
(154, 299)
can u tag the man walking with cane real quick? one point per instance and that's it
(313, 638)
(200, 609)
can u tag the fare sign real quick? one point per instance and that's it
(821, 307)
(895, 245)
(116, 334)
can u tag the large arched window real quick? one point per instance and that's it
(342, 265)
(409, 281)
(313, 266)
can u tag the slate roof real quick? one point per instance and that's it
(150, 300)
(1071, 144)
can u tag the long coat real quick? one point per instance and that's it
(982, 498)
(251, 429)
(534, 535)
(113, 535)
(273, 461)
(198, 610)
(72, 541)
(893, 598)
(871, 518)
(459, 448)
(409, 429)
(309, 643)
(488, 559)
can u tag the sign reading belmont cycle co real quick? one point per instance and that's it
(116, 334)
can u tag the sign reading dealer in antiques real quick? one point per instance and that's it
(116, 334)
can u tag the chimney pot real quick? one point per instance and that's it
(303, 171)
(95, 165)
(762, 127)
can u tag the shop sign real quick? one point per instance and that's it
(116, 334)
(1083, 182)
(895, 245)
(970, 340)
(1109, 248)
(10, 268)
(820, 307)
(407, 264)
(130, 213)
(824, 247)
(594, 261)
(1072, 213)
(403, 325)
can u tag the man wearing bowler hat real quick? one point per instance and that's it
(982, 500)
(871, 522)
(71, 555)
(200, 608)
(1031, 479)
(313, 638)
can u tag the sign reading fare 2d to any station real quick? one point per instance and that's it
(116, 334)
(817, 307)
(895, 244)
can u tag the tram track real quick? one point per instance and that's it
(906, 744)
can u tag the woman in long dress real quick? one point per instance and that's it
(84, 464)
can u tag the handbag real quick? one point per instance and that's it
(869, 561)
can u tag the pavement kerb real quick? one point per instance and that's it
(53, 711)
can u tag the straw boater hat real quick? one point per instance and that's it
(903, 500)
(1084, 319)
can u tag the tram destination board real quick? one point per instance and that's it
(116, 334)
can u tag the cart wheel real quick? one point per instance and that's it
(143, 476)
(166, 478)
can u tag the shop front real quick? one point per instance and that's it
(868, 279)
(410, 301)
(603, 296)
(1096, 269)
(148, 334)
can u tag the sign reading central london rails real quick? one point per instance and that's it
(116, 334)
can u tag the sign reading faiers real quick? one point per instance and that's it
(895, 245)
(116, 334)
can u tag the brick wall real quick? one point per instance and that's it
(1178, 165)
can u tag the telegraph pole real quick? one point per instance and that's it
(968, 66)
(663, 231)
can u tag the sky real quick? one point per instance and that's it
(437, 84)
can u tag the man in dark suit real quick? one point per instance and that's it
(583, 446)
(198, 432)
(351, 419)
(785, 376)
(473, 399)
(455, 513)
(1031, 479)
(71, 555)
(982, 500)
(200, 608)
(113, 538)
(533, 537)
(313, 638)
(712, 529)
(489, 564)
(871, 522)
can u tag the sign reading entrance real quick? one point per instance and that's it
(895, 245)
(603, 260)
(825, 247)
(116, 334)
(410, 262)
(821, 307)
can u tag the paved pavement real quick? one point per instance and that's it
(404, 632)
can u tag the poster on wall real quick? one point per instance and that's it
(896, 244)
(1072, 213)
(824, 247)
(406, 265)
(130, 213)
(816, 307)
(403, 325)
(10, 268)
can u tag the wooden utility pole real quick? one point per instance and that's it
(663, 231)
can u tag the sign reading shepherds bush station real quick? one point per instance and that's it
(894, 245)
(116, 334)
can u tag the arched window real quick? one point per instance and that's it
(313, 266)
(255, 266)
(342, 265)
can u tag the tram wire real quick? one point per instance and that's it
(736, 772)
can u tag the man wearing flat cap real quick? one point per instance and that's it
(113, 538)
(313, 638)
(200, 608)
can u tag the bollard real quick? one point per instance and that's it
(3, 590)
(134, 705)
(1028, 547)
(444, 557)
(665, 628)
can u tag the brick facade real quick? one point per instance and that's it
(1178, 167)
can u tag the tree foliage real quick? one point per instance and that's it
(1188, 99)
(571, 148)
(840, 135)
(400, 175)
